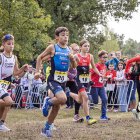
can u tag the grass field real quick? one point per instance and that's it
(27, 124)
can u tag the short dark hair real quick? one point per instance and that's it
(7, 37)
(121, 62)
(110, 64)
(60, 29)
(83, 41)
(102, 52)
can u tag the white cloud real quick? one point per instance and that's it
(131, 28)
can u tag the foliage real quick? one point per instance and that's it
(81, 17)
(28, 23)
(33, 22)
(111, 43)
(131, 48)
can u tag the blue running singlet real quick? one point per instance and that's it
(60, 64)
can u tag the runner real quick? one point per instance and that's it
(73, 85)
(8, 67)
(84, 59)
(60, 57)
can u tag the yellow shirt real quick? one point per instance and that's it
(48, 72)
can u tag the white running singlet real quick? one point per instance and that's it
(6, 66)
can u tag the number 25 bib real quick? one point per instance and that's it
(4, 84)
(84, 78)
(60, 77)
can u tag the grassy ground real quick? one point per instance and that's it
(27, 124)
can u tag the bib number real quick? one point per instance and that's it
(60, 77)
(4, 84)
(84, 78)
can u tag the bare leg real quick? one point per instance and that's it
(53, 113)
(59, 98)
(6, 101)
(132, 105)
(1, 111)
(76, 97)
(5, 104)
(6, 109)
(85, 103)
(50, 94)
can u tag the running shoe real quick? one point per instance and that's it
(46, 106)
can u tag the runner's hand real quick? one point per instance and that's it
(25, 67)
(37, 75)
(13, 85)
(71, 56)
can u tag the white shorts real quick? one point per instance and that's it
(3, 93)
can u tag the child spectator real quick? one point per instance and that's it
(98, 86)
(121, 84)
(112, 99)
(113, 60)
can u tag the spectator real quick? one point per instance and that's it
(121, 84)
(112, 98)
(113, 60)
(125, 58)
(98, 86)
(118, 55)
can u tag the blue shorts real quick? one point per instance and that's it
(56, 87)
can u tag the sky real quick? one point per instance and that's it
(130, 29)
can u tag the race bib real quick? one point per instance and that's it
(60, 77)
(84, 78)
(4, 84)
(101, 79)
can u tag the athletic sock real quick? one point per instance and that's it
(77, 107)
(47, 126)
(1, 122)
(87, 117)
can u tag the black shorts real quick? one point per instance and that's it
(81, 85)
(72, 86)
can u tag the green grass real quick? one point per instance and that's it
(27, 124)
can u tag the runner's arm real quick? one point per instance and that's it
(73, 61)
(93, 66)
(19, 71)
(44, 56)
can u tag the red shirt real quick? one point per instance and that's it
(130, 61)
(84, 60)
(98, 81)
(112, 73)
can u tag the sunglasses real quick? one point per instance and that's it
(8, 37)
(86, 46)
(104, 57)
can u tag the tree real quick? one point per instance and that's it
(28, 23)
(111, 43)
(81, 17)
(131, 48)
